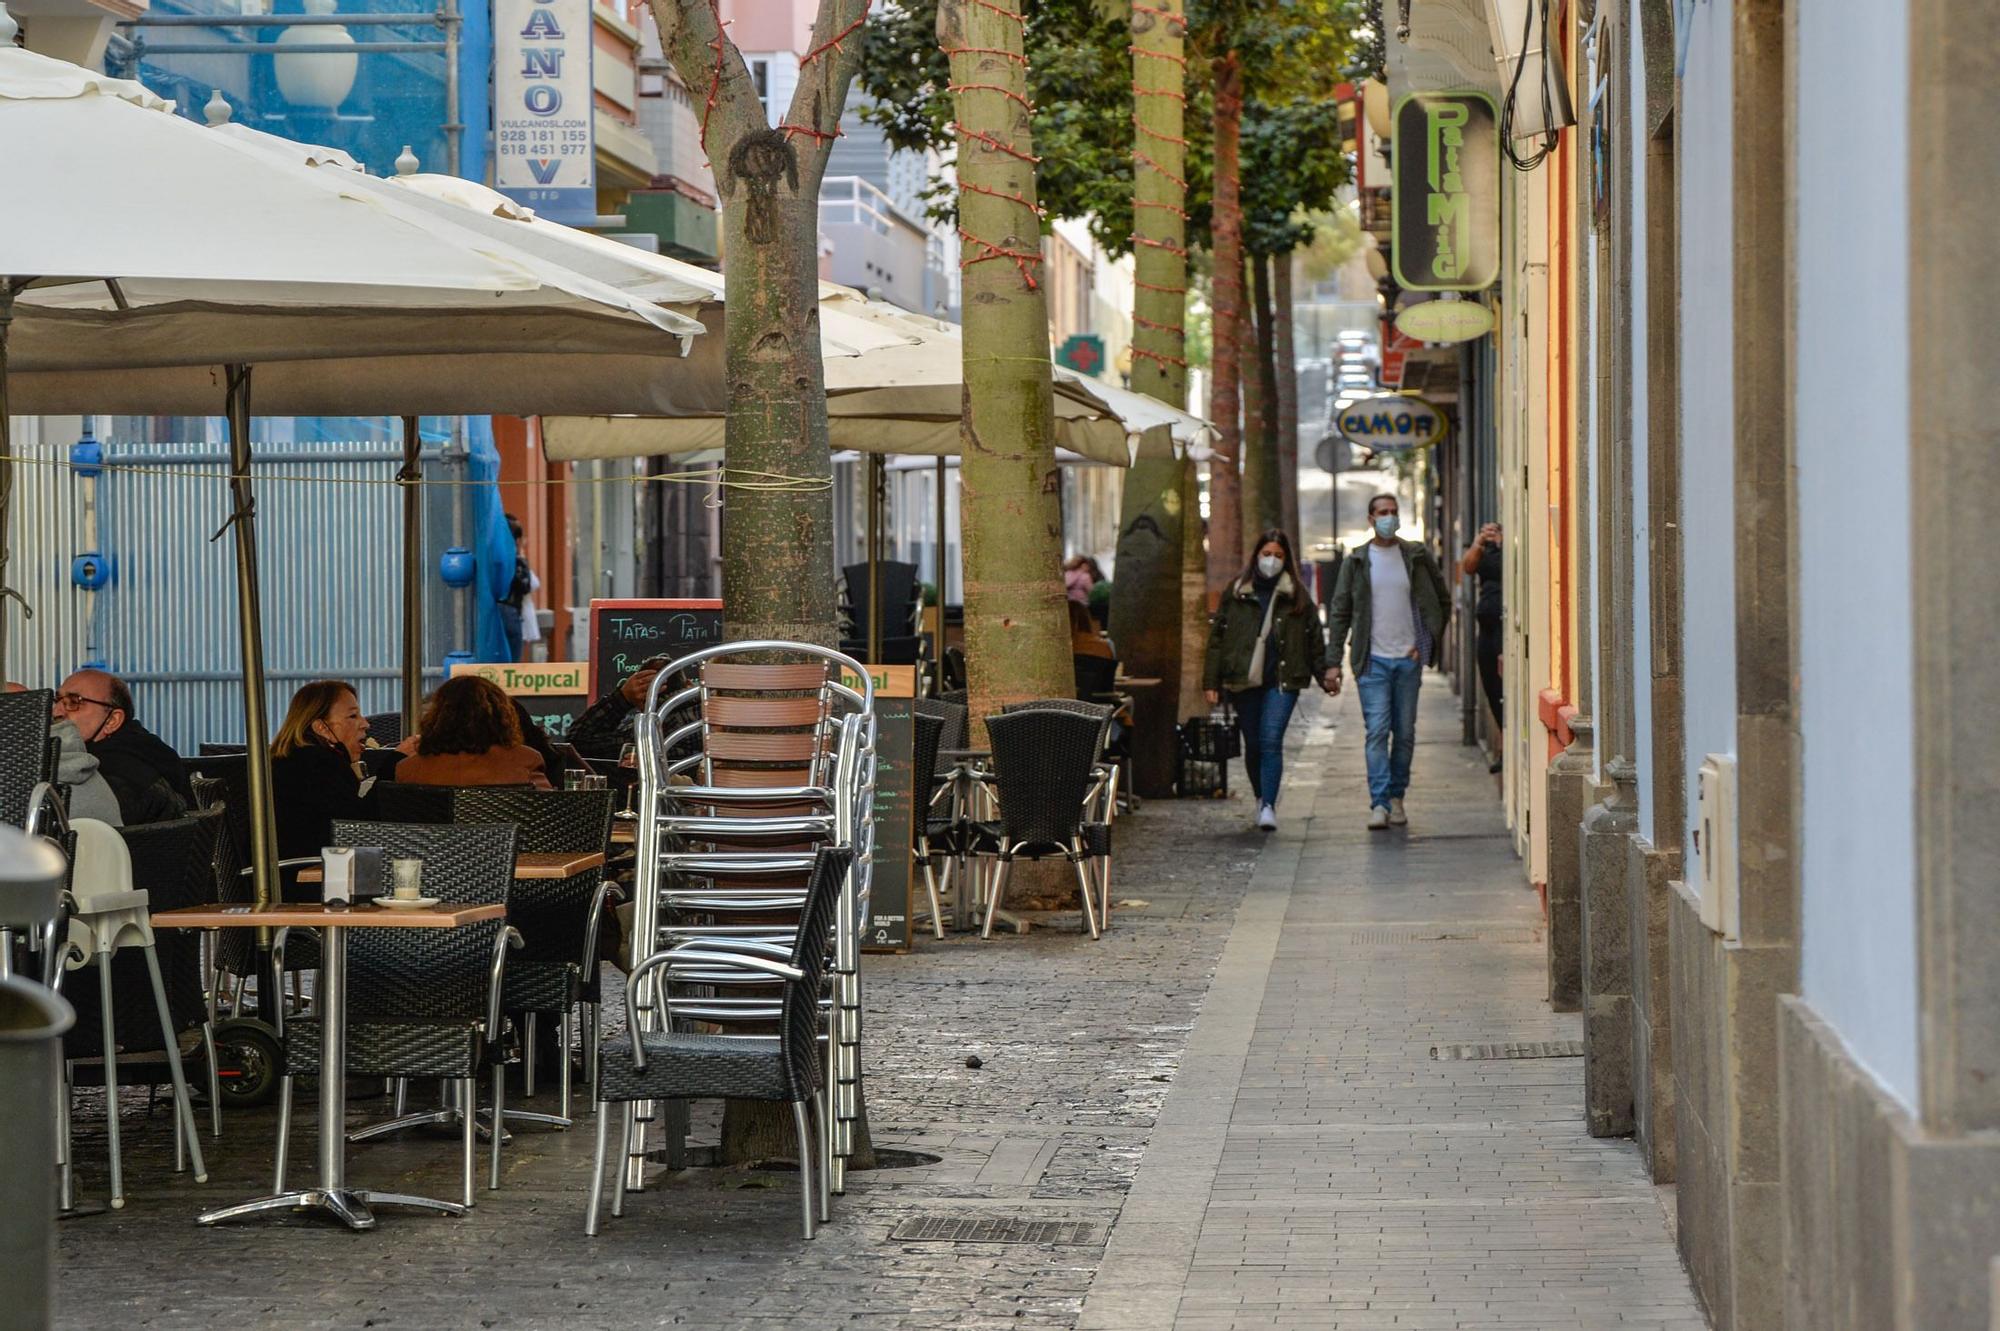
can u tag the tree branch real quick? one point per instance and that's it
(692, 34)
(826, 69)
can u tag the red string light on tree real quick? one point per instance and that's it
(979, 249)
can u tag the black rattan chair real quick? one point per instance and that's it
(422, 1002)
(386, 728)
(663, 1064)
(1101, 803)
(24, 740)
(558, 919)
(928, 738)
(1043, 769)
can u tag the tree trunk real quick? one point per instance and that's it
(1016, 626)
(1256, 442)
(1155, 526)
(1225, 493)
(777, 539)
(1288, 395)
(1260, 453)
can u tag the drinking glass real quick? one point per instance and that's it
(408, 878)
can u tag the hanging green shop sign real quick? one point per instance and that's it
(1446, 202)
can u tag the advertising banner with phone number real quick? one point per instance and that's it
(544, 142)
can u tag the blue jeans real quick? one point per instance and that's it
(1262, 715)
(1388, 689)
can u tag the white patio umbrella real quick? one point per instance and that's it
(242, 260)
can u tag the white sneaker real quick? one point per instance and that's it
(1378, 818)
(1396, 815)
(1267, 818)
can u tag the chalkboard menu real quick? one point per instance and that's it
(551, 691)
(625, 633)
(888, 925)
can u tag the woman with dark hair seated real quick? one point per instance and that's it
(316, 774)
(470, 736)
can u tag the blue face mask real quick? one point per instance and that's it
(1385, 526)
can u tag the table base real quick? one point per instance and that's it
(350, 1206)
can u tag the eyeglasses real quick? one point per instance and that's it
(71, 701)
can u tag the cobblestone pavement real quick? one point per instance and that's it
(1238, 1081)
(1317, 1164)
(1079, 1045)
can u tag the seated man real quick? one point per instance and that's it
(145, 775)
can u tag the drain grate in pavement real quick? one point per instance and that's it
(1371, 936)
(1511, 1049)
(942, 1228)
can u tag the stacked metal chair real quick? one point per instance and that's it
(779, 763)
(782, 1066)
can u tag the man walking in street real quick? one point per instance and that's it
(1391, 596)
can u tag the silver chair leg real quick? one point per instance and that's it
(999, 890)
(183, 1103)
(562, 1058)
(284, 1133)
(624, 1157)
(824, 1124)
(214, 1080)
(1104, 890)
(937, 908)
(1088, 891)
(400, 1101)
(808, 1194)
(593, 1033)
(111, 1083)
(528, 1054)
(499, 1117)
(468, 1099)
(597, 1174)
(62, 1134)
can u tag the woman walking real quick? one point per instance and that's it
(1264, 645)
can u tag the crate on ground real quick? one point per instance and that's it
(1206, 746)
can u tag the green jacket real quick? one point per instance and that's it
(1232, 639)
(1353, 593)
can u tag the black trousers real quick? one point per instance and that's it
(1489, 641)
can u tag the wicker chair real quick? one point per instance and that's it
(781, 765)
(122, 1015)
(1043, 771)
(422, 1002)
(664, 1064)
(1101, 803)
(386, 728)
(24, 738)
(558, 919)
(929, 735)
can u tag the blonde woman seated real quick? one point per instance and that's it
(470, 735)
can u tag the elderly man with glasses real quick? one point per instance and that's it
(147, 777)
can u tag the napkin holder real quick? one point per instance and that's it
(352, 875)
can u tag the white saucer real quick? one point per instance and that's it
(412, 903)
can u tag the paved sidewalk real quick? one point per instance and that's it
(1316, 1163)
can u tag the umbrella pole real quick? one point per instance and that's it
(874, 555)
(413, 577)
(7, 289)
(256, 728)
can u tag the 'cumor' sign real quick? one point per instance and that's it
(544, 138)
(1392, 424)
(1446, 204)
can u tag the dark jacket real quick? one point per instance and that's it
(1353, 597)
(310, 788)
(147, 777)
(1232, 639)
(604, 728)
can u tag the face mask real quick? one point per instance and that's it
(1385, 526)
(1270, 565)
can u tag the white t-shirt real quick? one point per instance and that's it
(1392, 622)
